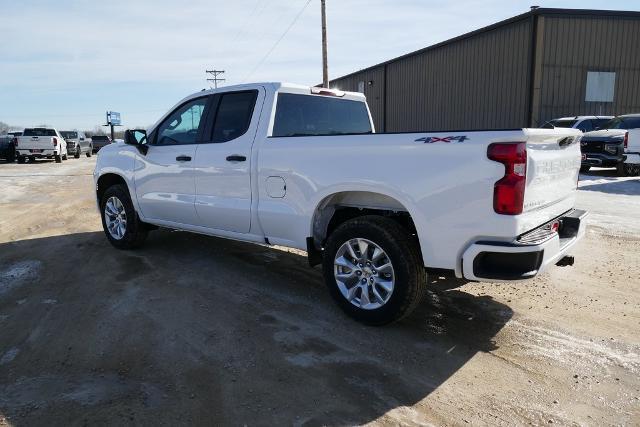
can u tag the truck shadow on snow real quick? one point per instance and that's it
(199, 330)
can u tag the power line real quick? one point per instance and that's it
(264, 58)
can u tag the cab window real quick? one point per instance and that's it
(181, 127)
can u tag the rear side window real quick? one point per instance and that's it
(233, 115)
(585, 126)
(310, 115)
(563, 123)
(39, 132)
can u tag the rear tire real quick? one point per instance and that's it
(58, 158)
(78, 152)
(90, 152)
(584, 169)
(135, 231)
(404, 274)
(22, 159)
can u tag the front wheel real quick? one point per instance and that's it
(374, 270)
(120, 221)
(78, 152)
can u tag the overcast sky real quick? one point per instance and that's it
(66, 62)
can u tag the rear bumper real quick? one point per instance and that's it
(30, 153)
(498, 261)
(602, 160)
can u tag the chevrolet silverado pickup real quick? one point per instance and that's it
(77, 143)
(289, 165)
(40, 143)
(616, 145)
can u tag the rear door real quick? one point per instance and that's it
(223, 161)
(164, 176)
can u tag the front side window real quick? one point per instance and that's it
(181, 127)
(233, 115)
(585, 126)
(312, 115)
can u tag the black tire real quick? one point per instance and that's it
(584, 169)
(78, 152)
(403, 252)
(58, 158)
(631, 169)
(90, 152)
(32, 159)
(22, 159)
(621, 170)
(136, 230)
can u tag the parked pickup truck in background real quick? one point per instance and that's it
(301, 167)
(615, 145)
(99, 141)
(77, 143)
(7, 148)
(40, 143)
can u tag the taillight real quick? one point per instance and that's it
(508, 192)
(55, 141)
(626, 140)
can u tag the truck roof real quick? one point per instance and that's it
(277, 87)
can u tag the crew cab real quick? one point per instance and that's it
(77, 143)
(40, 143)
(289, 165)
(616, 145)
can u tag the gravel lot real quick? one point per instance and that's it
(197, 330)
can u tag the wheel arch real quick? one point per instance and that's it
(109, 179)
(340, 206)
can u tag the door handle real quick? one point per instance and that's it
(236, 158)
(183, 158)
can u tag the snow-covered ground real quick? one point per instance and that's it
(613, 202)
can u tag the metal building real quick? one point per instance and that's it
(520, 72)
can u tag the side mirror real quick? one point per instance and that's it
(138, 138)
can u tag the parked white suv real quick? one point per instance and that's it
(584, 123)
(296, 166)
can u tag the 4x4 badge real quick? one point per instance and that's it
(447, 139)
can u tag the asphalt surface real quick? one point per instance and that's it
(204, 331)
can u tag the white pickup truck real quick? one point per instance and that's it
(290, 165)
(41, 143)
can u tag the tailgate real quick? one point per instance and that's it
(35, 142)
(553, 164)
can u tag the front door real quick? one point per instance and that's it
(164, 176)
(223, 161)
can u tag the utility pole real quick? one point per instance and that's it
(215, 79)
(325, 68)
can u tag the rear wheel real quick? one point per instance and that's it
(22, 159)
(373, 269)
(90, 152)
(120, 222)
(584, 169)
(78, 152)
(58, 158)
